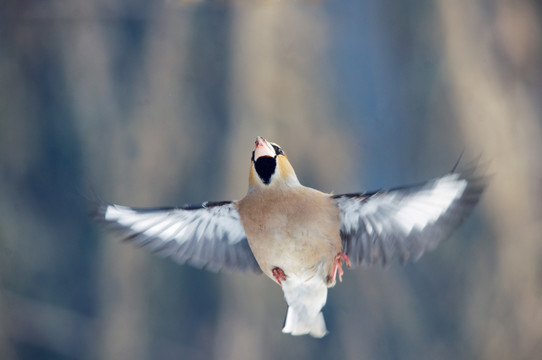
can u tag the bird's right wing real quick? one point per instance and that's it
(405, 222)
(210, 234)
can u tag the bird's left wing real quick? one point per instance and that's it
(405, 222)
(208, 235)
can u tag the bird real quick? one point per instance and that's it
(298, 236)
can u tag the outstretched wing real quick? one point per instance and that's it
(210, 234)
(405, 222)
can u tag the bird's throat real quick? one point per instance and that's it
(265, 167)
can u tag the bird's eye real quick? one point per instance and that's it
(278, 151)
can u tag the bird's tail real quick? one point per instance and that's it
(305, 302)
(301, 323)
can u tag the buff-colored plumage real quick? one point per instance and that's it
(293, 228)
(297, 230)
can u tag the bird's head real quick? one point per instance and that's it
(270, 167)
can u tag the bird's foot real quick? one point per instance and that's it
(339, 265)
(279, 275)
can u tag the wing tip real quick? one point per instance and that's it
(97, 208)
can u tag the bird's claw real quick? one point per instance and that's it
(279, 275)
(338, 267)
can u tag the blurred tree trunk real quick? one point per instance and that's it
(497, 114)
(120, 270)
(146, 167)
(278, 76)
(145, 151)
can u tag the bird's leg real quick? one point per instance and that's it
(279, 275)
(339, 266)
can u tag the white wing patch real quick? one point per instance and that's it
(177, 224)
(209, 234)
(420, 209)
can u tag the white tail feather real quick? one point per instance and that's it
(301, 324)
(305, 301)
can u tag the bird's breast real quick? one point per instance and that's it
(295, 232)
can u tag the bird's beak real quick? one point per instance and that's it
(263, 148)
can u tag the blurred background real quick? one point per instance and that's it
(155, 102)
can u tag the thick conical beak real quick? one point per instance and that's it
(263, 148)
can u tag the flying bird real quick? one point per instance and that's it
(298, 236)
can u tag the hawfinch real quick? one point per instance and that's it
(298, 236)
